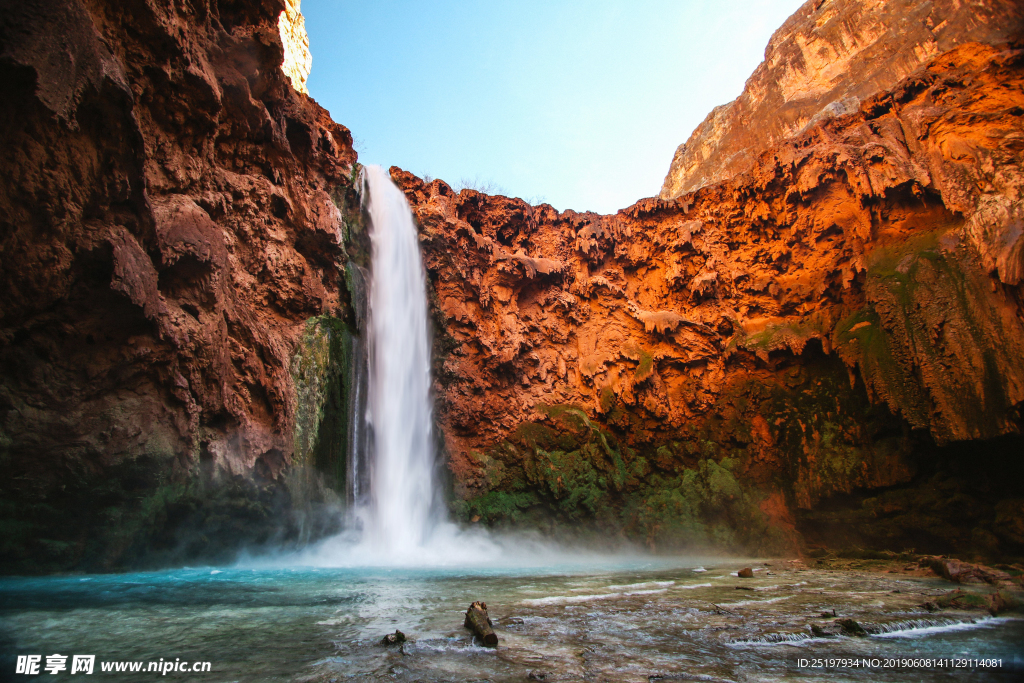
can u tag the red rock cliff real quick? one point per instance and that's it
(824, 61)
(715, 366)
(826, 348)
(166, 230)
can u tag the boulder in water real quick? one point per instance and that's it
(838, 627)
(851, 627)
(746, 573)
(826, 630)
(965, 572)
(396, 638)
(1002, 601)
(996, 603)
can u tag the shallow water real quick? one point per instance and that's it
(613, 620)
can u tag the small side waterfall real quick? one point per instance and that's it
(402, 511)
(357, 449)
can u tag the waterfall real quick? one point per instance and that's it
(397, 516)
(401, 510)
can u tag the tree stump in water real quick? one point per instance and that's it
(479, 623)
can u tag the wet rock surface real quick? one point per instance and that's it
(655, 619)
(669, 626)
(396, 638)
(965, 572)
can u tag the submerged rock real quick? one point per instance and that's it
(995, 603)
(829, 630)
(838, 627)
(1003, 601)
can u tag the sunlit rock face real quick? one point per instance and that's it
(717, 368)
(823, 62)
(297, 59)
(166, 230)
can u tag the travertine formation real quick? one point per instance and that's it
(713, 365)
(823, 62)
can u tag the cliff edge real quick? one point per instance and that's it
(827, 58)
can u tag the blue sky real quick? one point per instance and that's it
(580, 104)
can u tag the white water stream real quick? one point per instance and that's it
(403, 521)
(403, 508)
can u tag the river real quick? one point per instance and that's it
(592, 619)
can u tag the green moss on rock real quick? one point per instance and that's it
(321, 370)
(935, 341)
(575, 472)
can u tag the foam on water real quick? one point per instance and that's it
(919, 628)
(644, 584)
(569, 599)
(772, 639)
(747, 603)
(302, 624)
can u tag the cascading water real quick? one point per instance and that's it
(398, 514)
(402, 511)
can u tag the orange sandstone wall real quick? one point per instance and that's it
(823, 62)
(708, 367)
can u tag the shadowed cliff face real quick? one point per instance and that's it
(823, 62)
(166, 230)
(711, 369)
